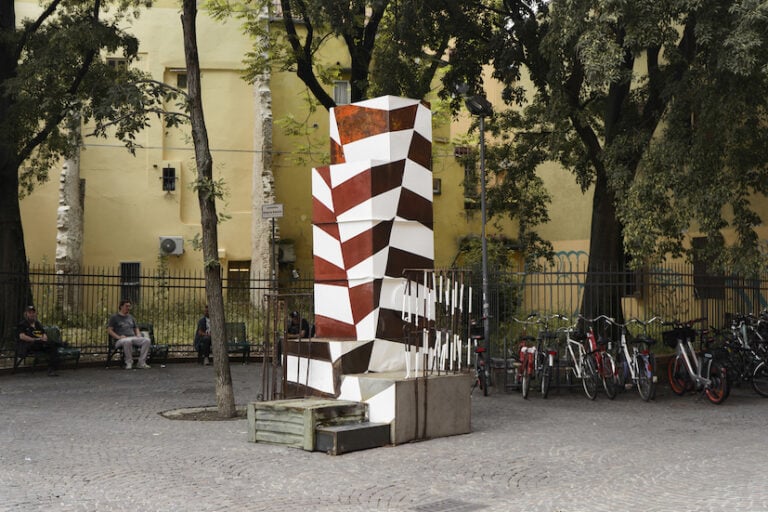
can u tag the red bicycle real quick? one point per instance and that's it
(537, 360)
(600, 348)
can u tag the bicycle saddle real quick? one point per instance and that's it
(642, 339)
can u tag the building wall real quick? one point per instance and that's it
(126, 210)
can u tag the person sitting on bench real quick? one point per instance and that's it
(123, 329)
(203, 339)
(33, 338)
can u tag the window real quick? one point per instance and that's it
(178, 77)
(471, 177)
(169, 179)
(130, 281)
(117, 63)
(341, 92)
(238, 281)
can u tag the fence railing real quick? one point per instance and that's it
(672, 292)
(173, 301)
(80, 304)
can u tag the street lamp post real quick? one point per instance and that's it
(482, 108)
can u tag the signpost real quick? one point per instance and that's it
(272, 211)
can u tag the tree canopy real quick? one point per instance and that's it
(392, 46)
(658, 105)
(54, 75)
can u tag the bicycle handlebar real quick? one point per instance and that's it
(595, 320)
(540, 319)
(634, 320)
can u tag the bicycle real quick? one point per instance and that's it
(537, 361)
(482, 375)
(744, 362)
(689, 372)
(639, 365)
(600, 346)
(579, 363)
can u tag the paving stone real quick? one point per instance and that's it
(93, 440)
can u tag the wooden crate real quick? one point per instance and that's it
(294, 422)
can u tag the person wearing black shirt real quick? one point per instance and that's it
(298, 328)
(32, 338)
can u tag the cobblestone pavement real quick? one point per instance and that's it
(92, 440)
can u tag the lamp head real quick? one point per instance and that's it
(479, 106)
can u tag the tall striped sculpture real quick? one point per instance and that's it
(372, 219)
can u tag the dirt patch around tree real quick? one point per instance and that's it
(207, 413)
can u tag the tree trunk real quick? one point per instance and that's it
(602, 290)
(225, 398)
(15, 291)
(69, 236)
(263, 180)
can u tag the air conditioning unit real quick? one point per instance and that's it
(171, 245)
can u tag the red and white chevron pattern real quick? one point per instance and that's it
(372, 217)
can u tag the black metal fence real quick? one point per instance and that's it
(80, 304)
(173, 301)
(672, 292)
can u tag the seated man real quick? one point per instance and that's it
(203, 339)
(298, 328)
(123, 329)
(32, 337)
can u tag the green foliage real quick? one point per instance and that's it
(56, 77)
(661, 106)
(514, 189)
(503, 253)
(393, 47)
(308, 148)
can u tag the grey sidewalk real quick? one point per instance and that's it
(92, 440)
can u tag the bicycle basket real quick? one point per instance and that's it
(681, 333)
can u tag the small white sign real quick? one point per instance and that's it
(271, 211)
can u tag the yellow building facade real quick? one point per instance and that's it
(127, 212)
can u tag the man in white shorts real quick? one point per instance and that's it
(123, 329)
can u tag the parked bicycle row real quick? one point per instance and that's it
(706, 359)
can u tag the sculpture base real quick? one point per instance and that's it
(416, 408)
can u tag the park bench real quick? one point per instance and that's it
(24, 351)
(237, 340)
(157, 352)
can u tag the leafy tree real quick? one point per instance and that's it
(53, 75)
(660, 106)
(393, 46)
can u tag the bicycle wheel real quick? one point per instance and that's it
(679, 379)
(646, 365)
(546, 379)
(608, 376)
(589, 376)
(570, 369)
(525, 379)
(622, 372)
(482, 377)
(719, 389)
(760, 379)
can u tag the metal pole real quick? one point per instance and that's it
(272, 260)
(486, 305)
